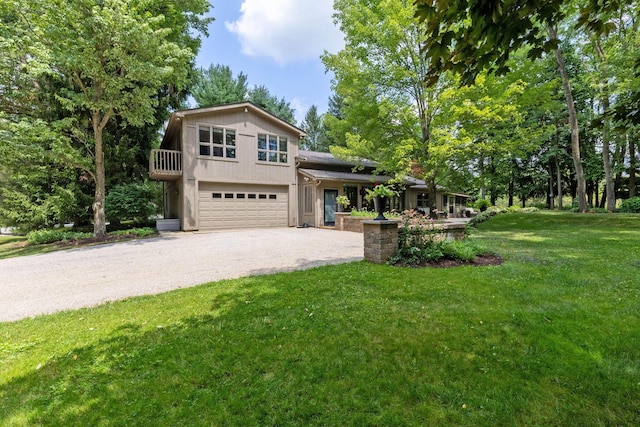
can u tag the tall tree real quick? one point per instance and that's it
(389, 114)
(313, 126)
(279, 107)
(216, 85)
(114, 56)
(472, 36)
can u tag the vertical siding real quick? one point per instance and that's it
(244, 169)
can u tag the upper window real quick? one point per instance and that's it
(272, 148)
(217, 142)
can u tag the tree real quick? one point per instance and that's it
(216, 85)
(469, 37)
(313, 126)
(388, 113)
(261, 96)
(113, 57)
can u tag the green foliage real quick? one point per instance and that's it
(343, 201)
(138, 232)
(51, 235)
(314, 127)
(420, 240)
(280, 108)
(216, 85)
(482, 204)
(630, 205)
(484, 216)
(380, 190)
(134, 201)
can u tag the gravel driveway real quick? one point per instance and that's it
(40, 284)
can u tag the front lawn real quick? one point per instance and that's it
(551, 337)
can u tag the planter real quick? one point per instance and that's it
(380, 204)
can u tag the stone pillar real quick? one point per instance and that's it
(340, 220)
(380, 240)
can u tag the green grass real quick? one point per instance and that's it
(549, 338)
(14, 246)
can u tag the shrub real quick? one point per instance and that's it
(482, 204)
(138, 232)
(50, 235)
(134, 201)
(419, 242)
(631, 205)
(483, 216)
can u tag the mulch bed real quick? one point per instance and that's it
(478, 261)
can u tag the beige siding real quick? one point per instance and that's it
(245, 168)
(244, 171)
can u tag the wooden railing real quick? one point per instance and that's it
(165, 164)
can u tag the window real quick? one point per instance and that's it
(272, 148)
(272, 197)
(240, 196)
(217, 142)
(217, 195)
(308, 199)
(423, 200)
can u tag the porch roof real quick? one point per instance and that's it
(343, 176)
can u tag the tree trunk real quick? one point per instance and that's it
(632, 168)
(575, 130)
(550, 197)
(431, 192)
(606, 150)
(483, 188)
(99, 222)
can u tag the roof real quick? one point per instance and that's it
(174, 121)
(343, 176)
(423, 186)
(330, 159)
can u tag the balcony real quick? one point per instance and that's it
(165, 165)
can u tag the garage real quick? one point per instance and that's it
(227, 206)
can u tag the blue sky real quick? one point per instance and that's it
(276, 43)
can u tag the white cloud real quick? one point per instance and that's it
(286, 30)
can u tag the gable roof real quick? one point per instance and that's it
(173, 126)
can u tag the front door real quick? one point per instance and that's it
(330, 206)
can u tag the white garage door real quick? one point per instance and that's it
(223, 206)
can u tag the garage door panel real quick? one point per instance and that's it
(223, 206)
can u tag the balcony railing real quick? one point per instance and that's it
(165, 165)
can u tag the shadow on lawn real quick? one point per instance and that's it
(192, 372)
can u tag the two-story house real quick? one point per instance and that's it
(238, 166)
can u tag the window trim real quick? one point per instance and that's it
(277, 152)
(225, 146)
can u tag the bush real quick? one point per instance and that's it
(50, 235)
(138, 232)
(134, 201)
(419, 242)
(482, 205)
(631, 205)
(483, 216)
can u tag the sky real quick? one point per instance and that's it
(275, 43)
